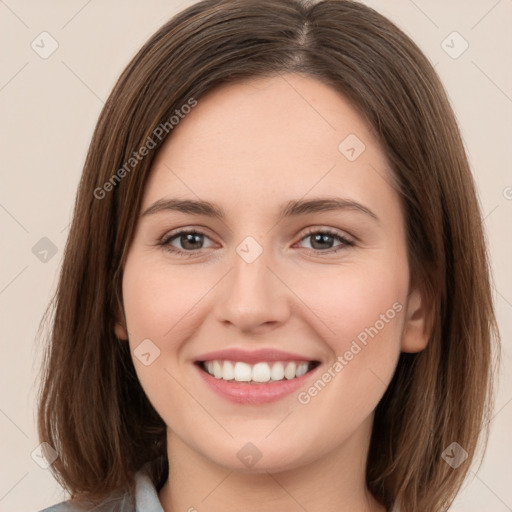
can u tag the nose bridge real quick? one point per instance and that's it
(253, 296)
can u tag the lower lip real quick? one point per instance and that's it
(244, 393)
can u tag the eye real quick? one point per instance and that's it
(322, 240)
(190, 241)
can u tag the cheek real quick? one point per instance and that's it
(158, 299)
(159, 305)
(360, 310)
(364, 308)
(166, 305)
(351, 300)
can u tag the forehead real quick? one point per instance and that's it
(273, 137)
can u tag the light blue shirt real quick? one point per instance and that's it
(146, 500)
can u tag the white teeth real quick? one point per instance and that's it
(289, 371)
(259, 372)
(228, 370)
(217, 370)
(277, 372)
(242, 372)
(301, 369)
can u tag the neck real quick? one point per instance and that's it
(333, 481)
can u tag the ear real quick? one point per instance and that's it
(120, 328)
(416, 331)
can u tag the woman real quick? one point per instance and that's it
(208, 351)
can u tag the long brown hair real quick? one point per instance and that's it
(92, 409)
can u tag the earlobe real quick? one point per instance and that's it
(120, 331)
(416, 331)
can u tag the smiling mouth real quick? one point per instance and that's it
(259, 373)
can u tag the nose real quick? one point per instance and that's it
(253, 297)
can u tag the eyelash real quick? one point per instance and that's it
(166, 240)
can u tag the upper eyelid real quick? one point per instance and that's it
(182, 231)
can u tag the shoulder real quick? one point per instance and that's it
(118, 504)
(64, 506)
(144, 498)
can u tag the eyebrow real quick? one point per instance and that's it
(293, 208)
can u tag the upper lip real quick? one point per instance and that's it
(252, 356)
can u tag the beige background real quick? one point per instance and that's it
(49, 108)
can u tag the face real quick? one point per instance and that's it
(276, 281)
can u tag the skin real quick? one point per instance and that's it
(250, 148)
